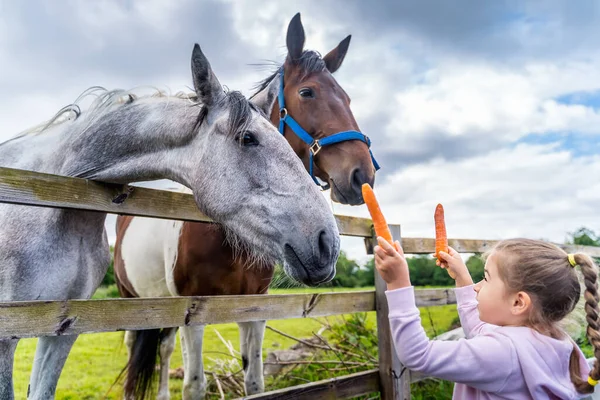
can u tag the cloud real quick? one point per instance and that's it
(504, 32)
(138, 41)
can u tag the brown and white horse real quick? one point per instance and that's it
(171, 258)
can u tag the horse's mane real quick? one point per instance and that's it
(103, 100)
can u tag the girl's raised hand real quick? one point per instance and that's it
(454, 262)
(391, 264)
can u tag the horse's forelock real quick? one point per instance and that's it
(309, 62)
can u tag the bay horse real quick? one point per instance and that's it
(240, 170)
(156, 258)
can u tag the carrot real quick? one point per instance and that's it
(381, 227)
(441, 238)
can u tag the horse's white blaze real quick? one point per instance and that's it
(149, 251)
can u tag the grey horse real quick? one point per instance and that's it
(241, 171)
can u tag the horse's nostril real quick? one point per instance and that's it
(325, 247)
(358, 178)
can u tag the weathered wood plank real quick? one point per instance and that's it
(52, 318)
(86, 316)
(394, 379)
(427, 246)
(45, 190)
(354, 226)
(343, 387)
(434, 297)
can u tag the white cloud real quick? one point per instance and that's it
(484, 102)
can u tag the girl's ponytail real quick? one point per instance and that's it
(590, 277)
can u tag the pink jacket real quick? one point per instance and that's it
(493, 362)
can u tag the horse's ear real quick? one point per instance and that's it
(295, 38)
(207, 86)
(265, 99)
(333, 59)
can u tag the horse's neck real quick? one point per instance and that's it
(141, 141)
(145, 140)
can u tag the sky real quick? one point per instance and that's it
(490, 108)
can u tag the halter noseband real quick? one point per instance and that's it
(315, 145)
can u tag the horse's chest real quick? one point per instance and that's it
(149, 251)
(50, 254)
(207, 266)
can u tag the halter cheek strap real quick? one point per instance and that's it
(315, 145)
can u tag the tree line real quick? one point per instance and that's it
(422, 268)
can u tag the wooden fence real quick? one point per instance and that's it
(53, 318)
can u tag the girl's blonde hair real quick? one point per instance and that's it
(544, 272)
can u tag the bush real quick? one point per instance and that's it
(424, 272)
(347, 346)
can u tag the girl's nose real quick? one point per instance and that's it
(477, 286)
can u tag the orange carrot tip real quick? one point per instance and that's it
(379, 223)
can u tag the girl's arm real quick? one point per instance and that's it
(484, 362)
(465, 294)
(467, 312)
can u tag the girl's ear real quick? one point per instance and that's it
(520, 304)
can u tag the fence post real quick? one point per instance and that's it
(394, 379)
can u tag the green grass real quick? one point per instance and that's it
(96, 359)
(318, 290)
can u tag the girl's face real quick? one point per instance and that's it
(495, 303)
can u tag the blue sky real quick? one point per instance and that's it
(491, 108)
(584, 98)
(578, 144)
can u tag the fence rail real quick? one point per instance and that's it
(344, 387)
(427, 246)
(73, 317)
(45, 190)
(52, 318)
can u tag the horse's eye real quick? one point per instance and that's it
(307, 93)
(249, 139)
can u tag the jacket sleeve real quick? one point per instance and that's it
(468, 314)
(484, 362)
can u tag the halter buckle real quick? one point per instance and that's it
(283, 113)
(315, 147)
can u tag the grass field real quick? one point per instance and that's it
(96, 359)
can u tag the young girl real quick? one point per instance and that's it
(513, 347)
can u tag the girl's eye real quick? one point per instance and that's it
(249, 139)
(307, 93)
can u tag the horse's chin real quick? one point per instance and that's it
(295, 269)
(343, 197)
(254, 255)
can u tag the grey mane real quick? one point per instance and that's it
(106, 100)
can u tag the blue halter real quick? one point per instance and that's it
(315, 145)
